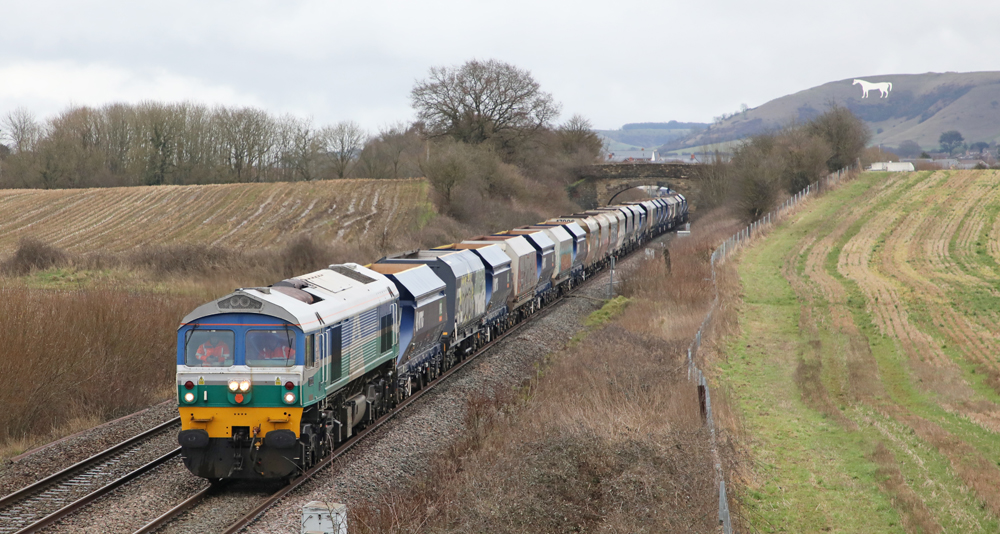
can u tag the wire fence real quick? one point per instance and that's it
(727, 248)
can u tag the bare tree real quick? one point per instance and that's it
(21, 129)
(577, 136)
(483, 101)
(373, 161)
(298, 148)
(845, 133)
(247, 139)
(758, 166)
(342, 144)
(805, 158)
(395, 141)
(951, 140)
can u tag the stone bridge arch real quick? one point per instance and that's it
(599, 184)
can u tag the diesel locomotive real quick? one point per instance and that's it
(271, 379)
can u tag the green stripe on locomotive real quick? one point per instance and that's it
(219, 396)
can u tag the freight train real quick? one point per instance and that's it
(271, 379)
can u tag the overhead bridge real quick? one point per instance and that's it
(600, 184)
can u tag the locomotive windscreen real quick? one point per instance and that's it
(270, 348)
(209, 348)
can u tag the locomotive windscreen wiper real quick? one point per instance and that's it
(289, 338)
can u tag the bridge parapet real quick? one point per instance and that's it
(599, 183)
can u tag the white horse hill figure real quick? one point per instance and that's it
(883, 87)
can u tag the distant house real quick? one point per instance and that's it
(892, 166)
(619, 156)
(955, 163)
(966, 164)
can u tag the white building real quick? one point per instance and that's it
(892, 166)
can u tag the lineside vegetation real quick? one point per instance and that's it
(608, 437)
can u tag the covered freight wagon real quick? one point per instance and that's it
(523, 265)
(498, 276)
(423, 317)
(563, 252)
(465, 277)
(546, 250)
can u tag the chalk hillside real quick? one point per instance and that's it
(918, 108)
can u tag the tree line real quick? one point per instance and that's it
(485, 138)
(154, 143)
(767, 167)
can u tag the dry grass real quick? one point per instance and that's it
(81, 355)
(913, 512)
(601, 443)
(608, 438)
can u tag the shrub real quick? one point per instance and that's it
(758, 166)
(32, 254)
(112, 354)
(845, 133)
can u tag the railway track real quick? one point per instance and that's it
(247, 519)
(57, 496)
(48, 500)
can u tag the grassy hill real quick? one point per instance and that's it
(919, 108)
(233, 215)
(635, 136)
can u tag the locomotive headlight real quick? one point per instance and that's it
(233, 386)
(289, 397)
(244, 385)
(189, 397)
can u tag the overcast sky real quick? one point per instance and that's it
(612, 62)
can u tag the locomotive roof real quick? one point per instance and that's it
(341, 291)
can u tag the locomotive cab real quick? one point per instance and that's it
(269, 380)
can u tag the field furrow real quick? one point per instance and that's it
(870, 361)
(232, 215)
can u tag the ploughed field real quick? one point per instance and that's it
(867, 364)
(104, 345)
(231, 215)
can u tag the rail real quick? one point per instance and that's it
(271, 501)
(46, 501)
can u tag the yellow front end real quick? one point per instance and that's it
(219, 421)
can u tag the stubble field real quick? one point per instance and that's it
(94, 281)
(233, 215)
(866, 365)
